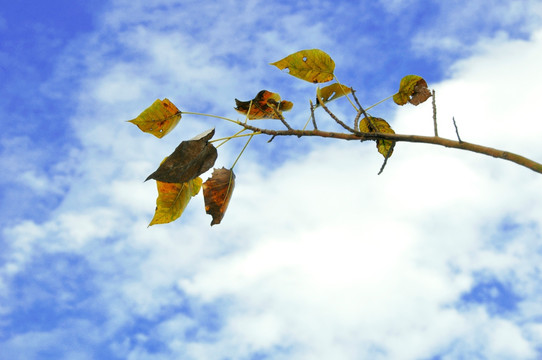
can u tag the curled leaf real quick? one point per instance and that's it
(217, 191)
(189, 160)
(159, 118)
(412, 89)
(372, 124)
(314, 65)
(332, 92)
(261, 107)
(173, 199)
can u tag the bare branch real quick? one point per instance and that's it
(359, 136)
(435, 114)
(334, 117)
(312, 116)
(456, 130)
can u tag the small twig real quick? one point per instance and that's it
(359, 105)
(388, 154)
(337, 120)
(360, 109)
(456, 130)
(272, 137)
(435, 114)
(273, 105)
(312, 116)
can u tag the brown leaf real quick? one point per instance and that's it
(261, 107)
(189, 160)
(217, 191)
(421, 93)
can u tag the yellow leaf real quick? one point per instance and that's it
(412, 89)
(172, 200)
(378, 125)
(332, 92)
(159, 118)
(314, 65)
(261, 107)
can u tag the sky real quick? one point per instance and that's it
(317, 257)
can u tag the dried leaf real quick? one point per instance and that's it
(261, 107)
(159, 118)
(412, 89)
(173, 199)
(189, 160)
(378, 125)
(217, 191)
(314, 65)
(332, 92)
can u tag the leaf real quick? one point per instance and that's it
(412, 89)
(189, 160)
(332, 92)
(314, 65)
(261, 107)
(159, 118)
(378, 125)
(173, 199)
(217, 191)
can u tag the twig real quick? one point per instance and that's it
(272, 137)
(388, 154)
(435, 114)
(337, 120)
(456, 130)
(273, 106)
(360, 109)
(312, 116)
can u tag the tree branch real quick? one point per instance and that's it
(358, 136)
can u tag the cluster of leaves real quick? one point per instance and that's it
(178, 176)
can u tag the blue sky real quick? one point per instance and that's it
(317, 257)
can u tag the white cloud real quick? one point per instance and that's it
(317, 257)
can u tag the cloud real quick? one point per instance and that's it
(317, 257)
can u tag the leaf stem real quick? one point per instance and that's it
(344, 92)
(234, 136)
(380, 102)
(211, 115)
(244, 147)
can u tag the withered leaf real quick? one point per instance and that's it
(173, 199)
(189, 160)
(159, 118)
(374, 124)
(412, 89)
(261, 107)
(313, 65)
(217, 191)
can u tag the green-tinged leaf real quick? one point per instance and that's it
(173, 199)
(261, 107)
(412, 89)
(332, 92)
(378, 125)
(314, 65)
(217, 191)
(159, 118)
